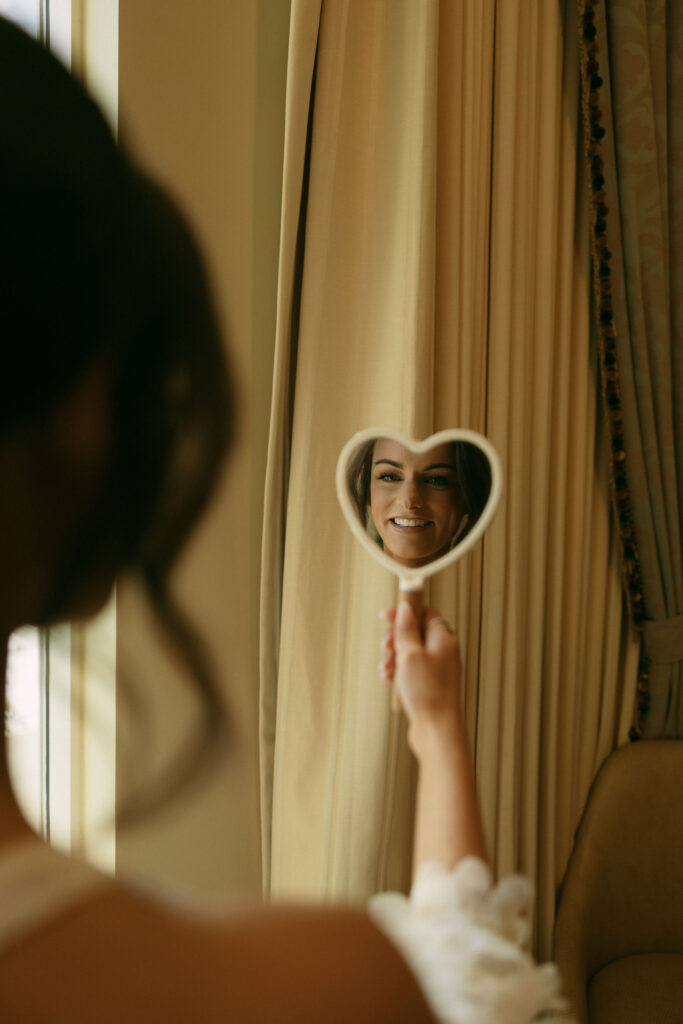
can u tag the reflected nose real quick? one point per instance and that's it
(410, 497)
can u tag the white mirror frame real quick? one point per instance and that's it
(413, 579)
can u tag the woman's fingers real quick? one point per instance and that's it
(440, 635)
(431, 632)
(421, 657)
(387, 667)
(407, 634)
(387, 641)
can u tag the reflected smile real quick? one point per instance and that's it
(410, 523)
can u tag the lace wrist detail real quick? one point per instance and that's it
(465, 940)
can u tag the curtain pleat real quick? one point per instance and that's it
(446, 282)
(300, 75)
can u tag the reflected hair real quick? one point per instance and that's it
(474, 477)
(360, 479)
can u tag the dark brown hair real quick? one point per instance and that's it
(96, 261)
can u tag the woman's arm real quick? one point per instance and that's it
(463, 936)
(425, 670)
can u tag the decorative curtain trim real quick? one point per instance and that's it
(594, 133)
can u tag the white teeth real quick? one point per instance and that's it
(410, 522)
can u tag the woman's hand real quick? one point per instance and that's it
(424, 668)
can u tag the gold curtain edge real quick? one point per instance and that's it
(594, 132)
(284, 371)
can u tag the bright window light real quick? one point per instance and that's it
(23, 12)
(47, 20)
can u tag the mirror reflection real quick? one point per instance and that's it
(418, 506)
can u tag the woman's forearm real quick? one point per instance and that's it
(448, 823)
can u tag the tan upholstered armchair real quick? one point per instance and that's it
(619, 934)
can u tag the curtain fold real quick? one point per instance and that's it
(633, 94)
(300, 76)
(445, 281)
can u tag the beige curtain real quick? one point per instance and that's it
(441, 278)
(632, 64)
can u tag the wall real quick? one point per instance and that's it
(201, 103)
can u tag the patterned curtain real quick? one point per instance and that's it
(632, 63)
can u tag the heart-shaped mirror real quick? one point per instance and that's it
(418, 506)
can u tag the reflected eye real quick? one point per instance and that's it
(438, 481)
(388, 477)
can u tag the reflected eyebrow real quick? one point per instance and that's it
(427, 469)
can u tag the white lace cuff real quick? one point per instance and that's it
(465, 940)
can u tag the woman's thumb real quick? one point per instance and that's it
(406, 629)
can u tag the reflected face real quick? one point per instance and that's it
(416, 502)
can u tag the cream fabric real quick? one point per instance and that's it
(466, 941)
(445, 278)
(302, 51)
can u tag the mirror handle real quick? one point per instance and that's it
(415, 598)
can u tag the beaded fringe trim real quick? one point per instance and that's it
(594, 132)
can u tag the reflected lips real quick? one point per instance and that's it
(409, 524)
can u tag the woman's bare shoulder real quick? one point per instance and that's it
(118, 956)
